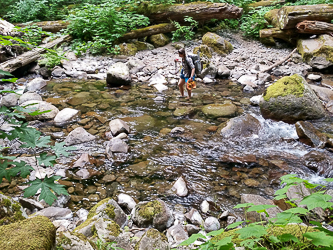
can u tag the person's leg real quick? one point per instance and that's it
(181, 86)
(189, 92)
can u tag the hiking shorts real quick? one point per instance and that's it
(186, 78)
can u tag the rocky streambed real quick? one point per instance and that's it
(144, 142)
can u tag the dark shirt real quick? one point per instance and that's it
(187, 66)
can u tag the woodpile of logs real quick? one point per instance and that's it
(291, 21)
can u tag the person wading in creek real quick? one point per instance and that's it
(186, 74)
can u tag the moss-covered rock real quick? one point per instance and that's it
(153, 213)
(143, 46)
(291, 99)
(217, 43)
(128, 49)
(204, 50)
(219, 110)
(10, 211)
(159, 40)
(152, 239)
(37, 233)
(73, 241)
(317, 52)
(183, 111)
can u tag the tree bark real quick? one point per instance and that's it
(148, 31)
(272, 17)
(50, 26)
(314, 27)
(198, 10)
(31, 55)
(290, 16)
(289, 36)
(5, 28)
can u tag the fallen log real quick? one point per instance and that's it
(264, 3)
(50, 26)
(31, 55)
(5, 27)
(272, 17)
(290, 16)
(148, 31)
(199, 11)
(314, 27)
(289, 36)
(279, 62)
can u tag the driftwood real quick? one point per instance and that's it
(279, 62)
(314, 27)
(290, 16)
(31, 55)
(50, 26)
(200, 11)
(286, 35)
(148, 31)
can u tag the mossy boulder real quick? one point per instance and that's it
(73, 241)
(10, 211)
(318, 52)
(291, 99)
(143, 46)
(183, 111)
(220, 110)
(37, 233)
(153, 213)
(153, 239)
(128, 49)
(217, 43)
(159, 40)
(204, 50)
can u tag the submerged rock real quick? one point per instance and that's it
(309, 135)
(219, 110)
(291, 99)
(242, 126)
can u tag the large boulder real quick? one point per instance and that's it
(41, 106)
(242, 126)
(217, 43)
(203, 50)
(323, 93)
(118, 74)
(36, 84)
(291, 99)
(219, 110)
(159, 40)
(153, 239)
(78, 135)
(10, 211)
(9, 100)
(29, 96)
(34, 233)
(128, 49)
(72, 241)
(153, 213)
(318, 52)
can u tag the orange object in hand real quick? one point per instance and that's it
(191, 84)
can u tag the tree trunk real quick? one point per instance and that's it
(50, 26)
(314, 27)
(148, 31)
(5, 27)
(272, 17)
(200, 11)
(289, 36)
(31, 55)
(289, 16)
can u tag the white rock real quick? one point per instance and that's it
(204, 206)
(126, 201)
(248, 88)
(79, 135)
(177, 130)
(207, 80)
(36, 84)
(56, 213)
(82, 214)
(180, 187)
(65, 115)
(30, 97)
(314, 77)
(255, 100)
(9, 100)
(194, 217)
(211, 224)
(118, 74)
(122, 136)
(83, 174)
(224, 214)
(41, 106)
(248, 80)
(116, 145)
(118, 126)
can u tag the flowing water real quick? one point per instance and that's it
(216, 169)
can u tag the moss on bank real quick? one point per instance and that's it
(37, 233)
(288, 85)
(10, 211)
(150, 209)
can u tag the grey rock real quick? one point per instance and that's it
(204, 206)
(77, 136)
(192, 229)
(209, 72)
(153, 239)
(177, 130)
(65, 115)
(71, 56)
(176, 234)
(122, 136)
(323, 93)
(248, 80)
(180, 187)
(41, 106)
(263, 78)
(211, 224)
(36, 84)
(116, 145)
(224, 215)
(58, 72)
(55, 213)
(255, 100)
(309, 135)
(313, 77)
(242, 126)
(194, 217)
(118, 126)
(75, 243)
(127, 201)
(223, 71)
(30, 97)
(9, 100)
(118, 74)
(83, 174)
(30, 204)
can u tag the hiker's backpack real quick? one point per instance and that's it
(197, 63)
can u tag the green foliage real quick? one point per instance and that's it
(32, 34)
(184, 31)
(101, 245)
(52, 58)
(264, 234)
(229, 24)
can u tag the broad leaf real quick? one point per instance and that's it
(235, 224)
(319, 239)
(46, 160)
(297, 210)
(285, 218)
(217, 232)
(255, 231)
(3, 170)
(9, 80)
(46, 186)
(224, 241)
(317, 200)
(274, 239)
(5, 73)
(244, 205)
(59, 149)
(192, 239)
(22, 167)
(259, 208)
(288, 237)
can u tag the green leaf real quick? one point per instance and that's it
(5, 73)
(9, 80)
(37, 112)
(235, 224)
(251, 231)
(319, 239)
(59, 149)
(47, 160)
(288, 237)
(46, 186)
(3, 170)
(192, 239)
(259, 208)
(297, 210)
(217, 232)
(317, 200)
(22, 167)
(224, 241)
(244, 205)
(274, 239)
(284, 218)
(329, 179)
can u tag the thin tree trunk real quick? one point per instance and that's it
(279, 62)
(286, 35)
(148, 31)
(314, 27)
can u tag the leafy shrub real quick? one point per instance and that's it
(184, 31)
(52, 58)
(285, 231)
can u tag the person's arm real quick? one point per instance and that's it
(192, 73)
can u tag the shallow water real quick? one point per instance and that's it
(216, 169)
